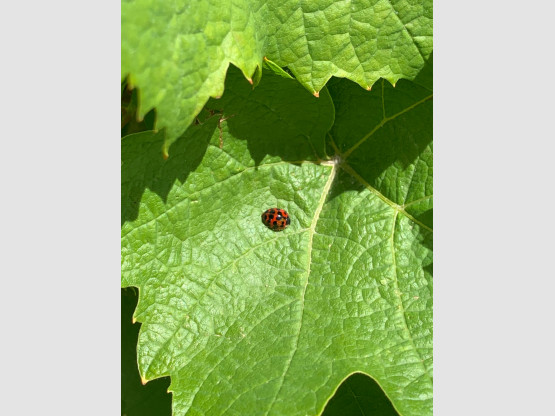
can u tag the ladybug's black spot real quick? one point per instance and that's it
(272, 211)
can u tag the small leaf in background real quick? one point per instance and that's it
(248, 321)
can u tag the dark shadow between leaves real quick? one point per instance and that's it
(129, 105)
(359, 395)
(153, 398)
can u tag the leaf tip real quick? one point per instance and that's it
(143, 380)
(250, 80)
(316, 94)
(369, 88)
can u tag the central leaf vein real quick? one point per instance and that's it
(311, 230)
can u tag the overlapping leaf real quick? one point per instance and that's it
(249, 321)
(178, 52)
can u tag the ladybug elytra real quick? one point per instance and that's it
(276, 219)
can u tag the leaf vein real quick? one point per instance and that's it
(398, 294)
(385, 120)
(312, 229)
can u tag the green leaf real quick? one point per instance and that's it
(178, 52)
(250, 321)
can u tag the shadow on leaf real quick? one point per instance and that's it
(144, 167)
(277, 118)
(426, 74)
(384, 136)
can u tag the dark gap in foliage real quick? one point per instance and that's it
(151, 399)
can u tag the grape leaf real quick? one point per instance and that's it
(249, 321)
(177, 53)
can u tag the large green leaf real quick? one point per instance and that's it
(249, 321)
(178, 52)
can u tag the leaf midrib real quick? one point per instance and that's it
(397, 292)
(312, 229)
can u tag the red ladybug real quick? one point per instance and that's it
(276, 219)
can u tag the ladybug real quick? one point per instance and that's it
(276, 219)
